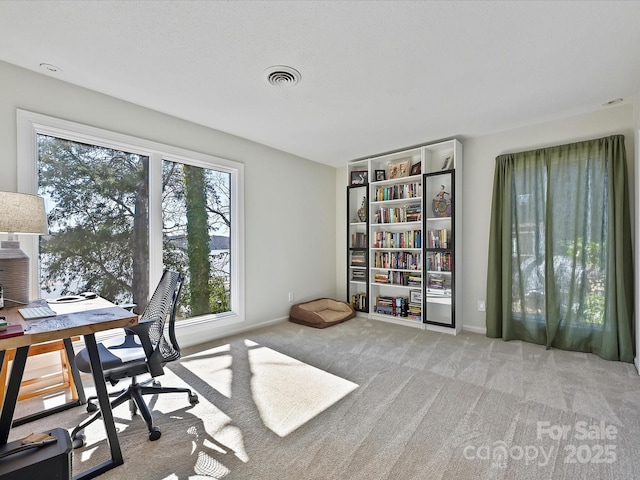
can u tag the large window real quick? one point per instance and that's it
(122, 209)
(559, 271)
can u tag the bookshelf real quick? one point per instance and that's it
(357, 238)
(411, 228)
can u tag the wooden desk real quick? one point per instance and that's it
(80, 318)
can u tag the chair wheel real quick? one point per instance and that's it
(193, 399)
(91, 407)
(79, 440)
(154, 434)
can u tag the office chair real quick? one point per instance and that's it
(143, 349)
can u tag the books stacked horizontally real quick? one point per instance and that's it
(359, 275)
(415, 312)
(439, 285)
(359, 259)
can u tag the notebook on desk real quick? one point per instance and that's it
(30, 313)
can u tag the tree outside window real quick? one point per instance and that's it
(98, 207)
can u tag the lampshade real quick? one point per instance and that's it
(22, 213)
(19, 213)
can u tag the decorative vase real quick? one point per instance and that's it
(362, 211)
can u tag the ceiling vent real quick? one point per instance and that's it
(282, 76)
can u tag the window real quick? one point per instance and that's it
(121, 209)
(559, 271)
(196, 220)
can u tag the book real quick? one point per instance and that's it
(12, 330)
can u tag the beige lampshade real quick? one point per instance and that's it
(22, 213)
(19, 213)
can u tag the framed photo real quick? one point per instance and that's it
(399, 168)
(448, 163)
(359, 177)
(381, 175)
(415, 296)
(416, 169)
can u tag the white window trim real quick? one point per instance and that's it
(31, 124)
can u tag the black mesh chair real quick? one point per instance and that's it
(143, 349)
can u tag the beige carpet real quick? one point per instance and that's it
(369, 400)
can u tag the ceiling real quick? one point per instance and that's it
(376, 75)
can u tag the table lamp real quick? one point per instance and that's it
(24, 214)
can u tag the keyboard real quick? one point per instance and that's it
(36, 312)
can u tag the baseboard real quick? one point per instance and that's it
(193, 335)
(481, 330)
(636, 362)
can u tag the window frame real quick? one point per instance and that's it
(30, 124)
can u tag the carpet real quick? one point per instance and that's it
(375, 401)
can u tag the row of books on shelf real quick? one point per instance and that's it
(398, 260)
(406, 213)
(410, 239)
(396, 192)
(359, 301)
(359, 258)
(407, 279)
(438, 238)
(439, 262)
(359, 239)
(395, 306)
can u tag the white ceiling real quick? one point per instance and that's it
(376, 75)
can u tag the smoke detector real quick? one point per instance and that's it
(282, 76)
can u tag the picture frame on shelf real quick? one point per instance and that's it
(446, 165)
(359, 177)
(381, 175)
(399, 168)
(416, 169)
(415, 296)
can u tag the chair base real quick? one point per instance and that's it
(134, 394)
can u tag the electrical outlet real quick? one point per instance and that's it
(290, 297)
(481, 306)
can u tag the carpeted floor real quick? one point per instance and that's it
(370, 400)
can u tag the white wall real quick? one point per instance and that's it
(290, 226)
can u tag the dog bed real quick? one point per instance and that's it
(321, 313)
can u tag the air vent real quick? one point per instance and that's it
(282, 76)
(615, 101)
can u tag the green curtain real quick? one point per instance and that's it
(560, 268)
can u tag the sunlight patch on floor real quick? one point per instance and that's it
(216, 363)
(288, 393)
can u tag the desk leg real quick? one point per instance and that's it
(71, 357)
(105, 409)
(13, 389)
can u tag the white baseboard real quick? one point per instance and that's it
(481, 330)
(636, 362)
